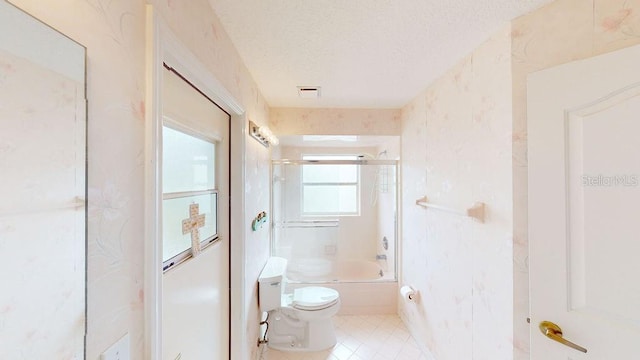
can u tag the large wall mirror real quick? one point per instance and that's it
(42, 190)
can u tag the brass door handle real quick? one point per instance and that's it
(553, 332)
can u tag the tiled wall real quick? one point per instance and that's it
(114, 34)
(456, 149)
(563, 31)
(437, 161)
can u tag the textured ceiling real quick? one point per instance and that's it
(363, 53)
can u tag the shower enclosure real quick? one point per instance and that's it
(335, 218)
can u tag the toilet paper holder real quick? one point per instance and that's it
(409, 293)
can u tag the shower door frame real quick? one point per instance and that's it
(394, 163)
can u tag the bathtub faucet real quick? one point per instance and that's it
(381, 257)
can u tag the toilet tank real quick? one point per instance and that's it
(271, 283)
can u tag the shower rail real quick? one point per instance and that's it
(307, 224)
(334, 162)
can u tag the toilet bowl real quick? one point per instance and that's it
(298, 320)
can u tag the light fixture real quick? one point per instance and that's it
(262, 134)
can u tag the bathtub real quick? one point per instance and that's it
(364, 287)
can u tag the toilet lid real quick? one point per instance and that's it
(314, 297)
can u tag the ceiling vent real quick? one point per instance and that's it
(309, 92)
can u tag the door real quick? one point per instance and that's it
(195, 295)
(584, 207)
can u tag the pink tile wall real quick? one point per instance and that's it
(456, 149)
(443, 131)
(114, 34)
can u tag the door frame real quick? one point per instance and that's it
(162, 46)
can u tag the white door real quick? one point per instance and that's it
(584, 207)
(195, 292)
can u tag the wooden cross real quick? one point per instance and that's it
(192, 225)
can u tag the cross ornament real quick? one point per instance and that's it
(192, 225)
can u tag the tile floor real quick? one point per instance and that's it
(368, 337)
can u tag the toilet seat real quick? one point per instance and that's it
(314, 298)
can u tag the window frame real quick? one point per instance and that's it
(186, 254)
(349, 159)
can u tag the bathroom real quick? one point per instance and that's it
(463, 139)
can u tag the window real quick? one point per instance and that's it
(332, 188)
(189, 199)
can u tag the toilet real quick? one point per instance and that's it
(298, 320)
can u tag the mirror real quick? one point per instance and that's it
(42, 190)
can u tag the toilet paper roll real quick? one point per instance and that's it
(408, 293)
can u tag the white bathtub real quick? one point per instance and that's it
(323, 270)
(364, 287)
